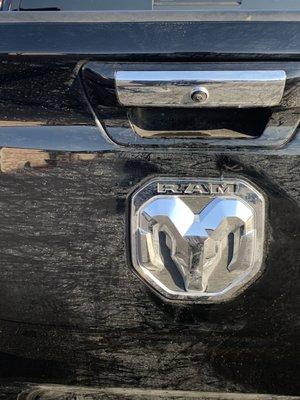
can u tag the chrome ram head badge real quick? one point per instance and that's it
(198, 240)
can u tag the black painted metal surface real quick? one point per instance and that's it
(71, 310)
(170, 40)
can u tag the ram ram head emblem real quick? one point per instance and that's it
(197, 240)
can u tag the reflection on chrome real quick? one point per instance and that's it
(204, 247)
(222, 88)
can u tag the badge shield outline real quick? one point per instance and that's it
(197, 252)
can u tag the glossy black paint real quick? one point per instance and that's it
(189, 41)
(71, 310)
(42, 92)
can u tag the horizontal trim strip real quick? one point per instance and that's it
(55, 138)
(90, 139)
(166, 40)
(144, 16)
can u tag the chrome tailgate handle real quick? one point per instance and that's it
(255, 88)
